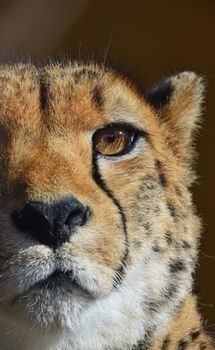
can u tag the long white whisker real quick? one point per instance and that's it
(108, 45)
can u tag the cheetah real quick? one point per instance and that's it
(99, 236)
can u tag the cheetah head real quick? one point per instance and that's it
(98, 235)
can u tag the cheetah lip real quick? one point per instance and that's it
(55, 281)
(57, 278)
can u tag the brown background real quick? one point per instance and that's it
(152, 38)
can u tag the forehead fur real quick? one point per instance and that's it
(86, 96)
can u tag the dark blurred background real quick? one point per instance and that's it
(151, 38)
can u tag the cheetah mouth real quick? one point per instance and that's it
(40, 271)
(59, 281)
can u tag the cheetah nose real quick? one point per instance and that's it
(51, 224)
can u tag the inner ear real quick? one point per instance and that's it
(159, 95)
(178, 101)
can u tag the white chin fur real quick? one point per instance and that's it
(118, 320)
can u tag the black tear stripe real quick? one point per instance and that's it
(100, 182)
(43, 92)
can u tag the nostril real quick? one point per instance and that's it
(78, 217)
(74, 218)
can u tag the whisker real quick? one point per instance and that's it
(108, 45)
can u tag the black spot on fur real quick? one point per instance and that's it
(159, 95)
(156, 249)
(43, 93)
(165, 344)
(162, 180)
(168, 237)
(79, 74)
(177, 266)
(170, 291)
(185, 245)
(194, 335)
(147, 226)
(97, 97)
(85, 72)
(92, 74)
(172, 210)
(158, 164)
(182, 344)
(148, 229)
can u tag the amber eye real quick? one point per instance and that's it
(115, 140)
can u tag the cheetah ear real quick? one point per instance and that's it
(178, 100)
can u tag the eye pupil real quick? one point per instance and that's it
(110, 138)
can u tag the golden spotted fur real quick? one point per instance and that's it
(123, 280)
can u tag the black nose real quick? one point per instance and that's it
(51, 224)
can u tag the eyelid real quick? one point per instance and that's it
(124, 125)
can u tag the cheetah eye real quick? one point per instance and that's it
(114, 140)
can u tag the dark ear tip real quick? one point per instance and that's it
(159, 95)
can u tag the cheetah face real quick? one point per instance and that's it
(95, 211)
